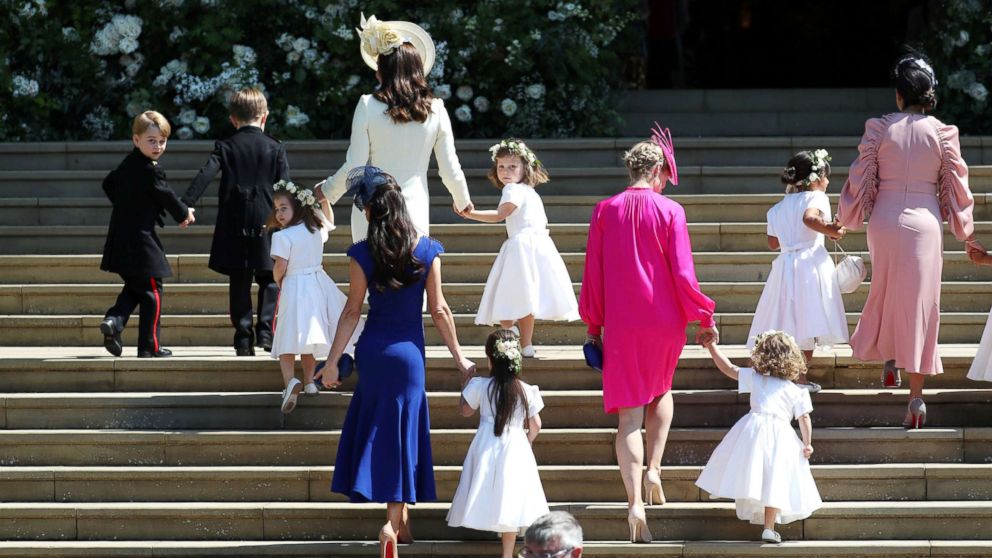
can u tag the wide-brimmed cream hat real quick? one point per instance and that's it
(382, 37)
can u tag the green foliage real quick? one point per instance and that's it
(82, 69)
(960, 45)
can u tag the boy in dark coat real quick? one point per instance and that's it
(250, 162)
(140, 194)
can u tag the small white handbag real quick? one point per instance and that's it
(850, 272)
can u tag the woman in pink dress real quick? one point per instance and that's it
(908, 177)
(640, 286)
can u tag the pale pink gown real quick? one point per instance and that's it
(909, 176)
(640, 285)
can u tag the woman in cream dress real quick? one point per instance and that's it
(397, 131)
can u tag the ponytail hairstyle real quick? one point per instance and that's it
(505, 364)
(805, 168)
(914, 79)
(404, 89)
(392, 238)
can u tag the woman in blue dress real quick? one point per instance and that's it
(385, 450)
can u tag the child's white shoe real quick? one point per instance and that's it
(289, 395)
(529, 351)
(311, 389)
(812, 387)
(514, 329)
(771, 536)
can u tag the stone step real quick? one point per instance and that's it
(24, 269)
(328, 155)
(587, 483)
(215, 329)
(460, 549)
(564, 409)
(216, 369)
(967, 521)
(591, 181)
(581, 446)
(456, 238)
(211, 298)
(702, 208)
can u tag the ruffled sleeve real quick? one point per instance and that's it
(956, 201)
(857, 198)
(592, 295)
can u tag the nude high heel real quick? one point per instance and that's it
(387, 542)
(653, 492)
(918, 414)
(638, 523)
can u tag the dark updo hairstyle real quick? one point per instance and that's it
(301, 214)
(505, 391)
(916, 85)
(404, 89)
(797, 169)
(391, 239)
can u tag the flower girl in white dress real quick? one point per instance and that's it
(500, 489)
(529, 279)
(801, 296)
(310, 303)
(760, 463)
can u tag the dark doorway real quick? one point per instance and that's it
(778, 43)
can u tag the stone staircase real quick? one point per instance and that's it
(190, 456)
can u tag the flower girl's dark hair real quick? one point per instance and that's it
(300, 214)
(506, 389)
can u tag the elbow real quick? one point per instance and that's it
(351, 313)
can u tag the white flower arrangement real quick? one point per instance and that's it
(118, 36)
(535, 91)
(305, 196)
(295, 117)
(186, 116)
(184, 133)
(201, 125)
(25, 87)
(481, 104)
(820, 159)
(510, 350)
(518, 148)
(443, 91)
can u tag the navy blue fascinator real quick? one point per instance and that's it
(362, 182)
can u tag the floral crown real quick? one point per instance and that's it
(305, 196)
(377, 37)
(509, 349)
(819, 158)
(518, 148)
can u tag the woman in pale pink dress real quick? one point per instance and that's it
(640, 286)
(909, 176)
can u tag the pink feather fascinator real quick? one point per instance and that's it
(663, 139)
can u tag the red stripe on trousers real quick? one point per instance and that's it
(158, 313)
(275, 316)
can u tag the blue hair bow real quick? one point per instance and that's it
(362, 182)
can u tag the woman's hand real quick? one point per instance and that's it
(318, 191)
(836, 232)
(467, 369)
(329, 376)
(596, 340)
(707, 335)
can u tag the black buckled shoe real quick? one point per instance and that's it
(111, 337)
(161, 353)
(244, 350)
(264, 343)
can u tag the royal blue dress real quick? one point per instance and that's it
(385, 450)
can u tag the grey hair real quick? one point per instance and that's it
(556, 526)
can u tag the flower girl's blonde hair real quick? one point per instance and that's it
(776, 354)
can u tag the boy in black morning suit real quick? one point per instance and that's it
(140, 195)
(250, 162)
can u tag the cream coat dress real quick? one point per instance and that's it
(404, 151)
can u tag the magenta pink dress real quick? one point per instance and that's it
(909, 176)
(640, 285)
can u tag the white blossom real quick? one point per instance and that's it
(293, 57)
(201, 125)
(184, 133)
(443, 91)
(465, 93)
(120, 35)
(25, 87)
(296, 117)
(301, 44)
(128, 45)
(463, 113)
(187, 116)
(244, 56)
(535, 91)
(978, 92)
(508, 106)
(481, 104)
